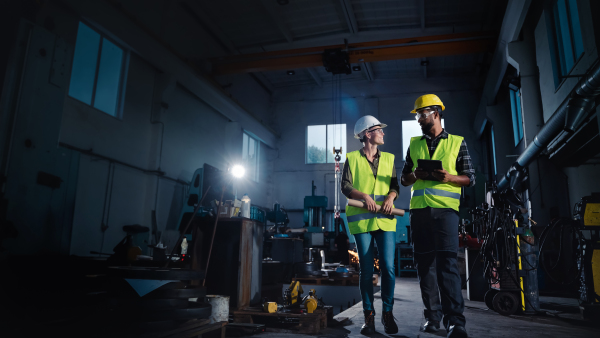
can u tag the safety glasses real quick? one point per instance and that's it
(423, 113)
(375, 131)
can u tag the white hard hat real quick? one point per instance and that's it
(365, 123)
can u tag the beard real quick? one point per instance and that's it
(427, 127)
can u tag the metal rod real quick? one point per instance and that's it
(187, 226)
(213, 234)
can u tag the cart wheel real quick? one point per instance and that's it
(489, 297)
(505, 303)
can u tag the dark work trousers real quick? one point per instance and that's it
(435, 244)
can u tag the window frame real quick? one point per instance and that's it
(124, 70)
(256, 157)
(560, 75)
(516, 107)
(327, 154)
(489, 139)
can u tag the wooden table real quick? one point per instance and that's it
(309, 323)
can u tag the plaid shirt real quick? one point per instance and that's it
(463, 161)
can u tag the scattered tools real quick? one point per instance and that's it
(294, 302)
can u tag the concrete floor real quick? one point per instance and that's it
(481, 322)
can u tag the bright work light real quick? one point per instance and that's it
(238, 171)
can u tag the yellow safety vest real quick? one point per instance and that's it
(433, 193)
(361, 220)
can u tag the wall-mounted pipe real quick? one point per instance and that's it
(568, 117)
(90, 152)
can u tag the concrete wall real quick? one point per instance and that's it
(165, 126)
(389, 101)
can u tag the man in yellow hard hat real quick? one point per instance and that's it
(434, 215)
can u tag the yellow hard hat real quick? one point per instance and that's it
(426, 101)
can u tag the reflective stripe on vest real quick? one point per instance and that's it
(437, 192)
(367, 215)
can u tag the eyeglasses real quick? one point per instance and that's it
(424, 113)
(375, 131)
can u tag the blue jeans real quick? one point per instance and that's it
(435, 244)
(386, 244)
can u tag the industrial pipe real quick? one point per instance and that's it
(361, 204)
(568, 117)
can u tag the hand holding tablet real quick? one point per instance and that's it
(429, 166)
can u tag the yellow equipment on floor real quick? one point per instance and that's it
(292, 295)
(311, 302)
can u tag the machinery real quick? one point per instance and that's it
(292, 296)
(293, 300)
(571, 247)
(278, 217)
(315, 209)
(502, 230)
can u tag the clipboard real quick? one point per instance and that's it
(430, 166)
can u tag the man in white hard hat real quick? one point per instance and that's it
(369, 175)
(434, 215)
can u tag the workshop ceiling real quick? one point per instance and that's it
(235, 28)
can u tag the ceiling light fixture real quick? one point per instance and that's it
(291, 72)
(283, 2)
(425, 63)
(356, 68)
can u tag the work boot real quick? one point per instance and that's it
(389, 322)
(430, 326)
(369, 325)
(457, 331)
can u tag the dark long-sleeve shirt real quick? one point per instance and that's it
(463, 161)
(347, 186)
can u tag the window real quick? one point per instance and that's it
(410, 128)
(488, 141)
(566, 43)
(320, 141)
(250, 155)
(98, 71)
(517, 116)
(493, 142)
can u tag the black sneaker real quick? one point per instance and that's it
(389, 323)
(430, 326)
(369, 325)
(457, 331)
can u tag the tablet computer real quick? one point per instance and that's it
(430, 166)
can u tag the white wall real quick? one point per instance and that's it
(194, 133)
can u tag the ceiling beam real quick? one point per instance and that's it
(315, 76)
(366, 54)
(357, 45)
(269, 5)
(349, 15)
